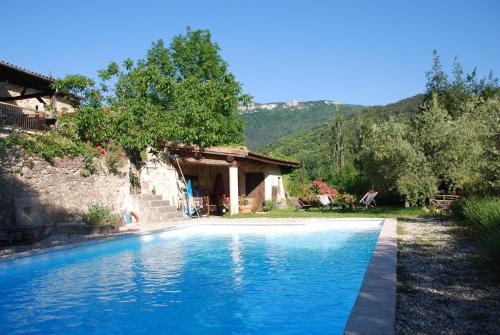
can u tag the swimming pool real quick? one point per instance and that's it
(203, 279)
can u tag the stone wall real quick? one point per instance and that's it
(34, 192)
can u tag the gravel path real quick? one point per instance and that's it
(444, 286)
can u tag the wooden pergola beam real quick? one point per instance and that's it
(27, 96)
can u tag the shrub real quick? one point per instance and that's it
(99, 214)
(48, 145)
(457, 208)
(114, 158)
(483, 216)
(320, 187)
(269, 205)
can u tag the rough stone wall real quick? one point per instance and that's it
(35, 192)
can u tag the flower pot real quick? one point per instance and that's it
(245, 208)
(253, 202)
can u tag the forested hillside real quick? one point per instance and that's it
(312, 145)
(314, 149)
(263, 126)
(402, 108)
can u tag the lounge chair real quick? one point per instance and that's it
(369, 199)
(299, 204)
(324, 201)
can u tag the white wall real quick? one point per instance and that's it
(273, 178)
(159, 174)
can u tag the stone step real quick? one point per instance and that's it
(149, 197)
(163, 209)
(154, 203)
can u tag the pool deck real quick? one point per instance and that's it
(375, 309)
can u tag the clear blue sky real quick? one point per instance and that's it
(367, 52)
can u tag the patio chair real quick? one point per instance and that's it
(299, 204)
(369, 199)
(324, 201)
(198, 204)
(211, 209)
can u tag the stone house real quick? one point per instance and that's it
(27, 99)
(234, 172)
(38, 193)
(35, 192)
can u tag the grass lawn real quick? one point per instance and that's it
(379, 212)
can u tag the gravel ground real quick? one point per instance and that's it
(444, 285)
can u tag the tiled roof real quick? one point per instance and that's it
(241, 152)
(274, 159)
(28, 72)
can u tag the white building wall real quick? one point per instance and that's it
(160, 175)
(273, 178)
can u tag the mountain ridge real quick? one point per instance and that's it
(264, 125)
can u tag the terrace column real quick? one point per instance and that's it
(233, 187)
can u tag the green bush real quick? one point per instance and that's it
(457, 208)
(114, 158)
(483, 216)
(98, 214)
(48, 145)
(269, 205)
(296, 181)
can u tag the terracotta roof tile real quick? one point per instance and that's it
(29, 72)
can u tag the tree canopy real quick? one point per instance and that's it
(442, 141)
(450, 144)
(180, 93)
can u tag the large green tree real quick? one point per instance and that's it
(181, 93)
(450, 143)
(454, 94)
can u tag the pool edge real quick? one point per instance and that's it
(97, 240)
(375, 309)
(132, 234)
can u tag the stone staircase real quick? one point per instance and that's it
(153, 209)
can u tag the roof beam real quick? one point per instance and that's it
(27, 96)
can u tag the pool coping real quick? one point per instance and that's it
(185, 224)
(97, 240)
(375, 309)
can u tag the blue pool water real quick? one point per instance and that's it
(197, 280)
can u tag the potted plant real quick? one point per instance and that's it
(245, 206)
(224, 200)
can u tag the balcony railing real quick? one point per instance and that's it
(24, 118)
